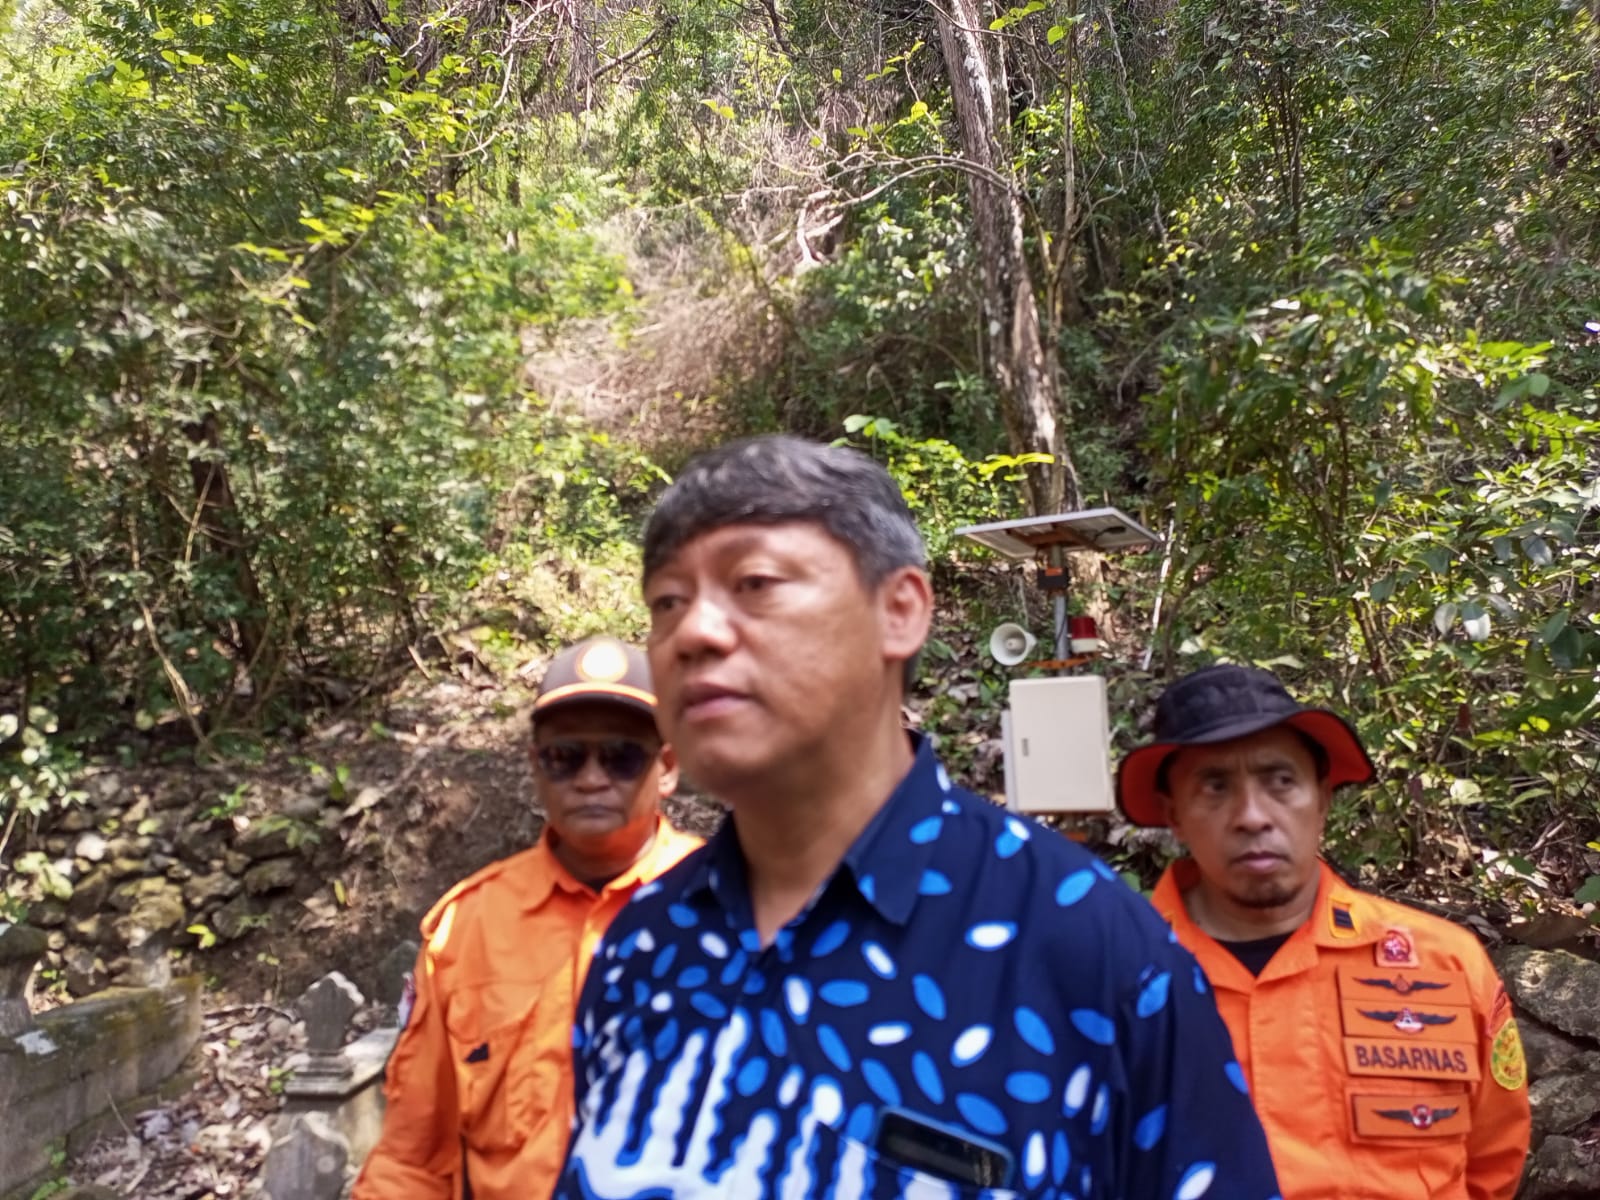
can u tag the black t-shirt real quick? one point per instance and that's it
(1256, 954)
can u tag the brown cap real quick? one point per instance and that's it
(597, 669)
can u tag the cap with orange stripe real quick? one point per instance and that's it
(598, 669)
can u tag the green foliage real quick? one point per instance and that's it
(1360, 490)
(336, 781)
(882, 328)
(943, 487)
(37, 769)
(297, 833)
(1317, 283)
(228, 805)
(57, 1182)
(1589, 893)
(262, 353)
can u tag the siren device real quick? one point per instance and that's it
(1010, 644)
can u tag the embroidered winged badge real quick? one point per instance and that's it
(1419, 1116)
(1404, 986)
(1405, 1020)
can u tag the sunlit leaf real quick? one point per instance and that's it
(1444, 617)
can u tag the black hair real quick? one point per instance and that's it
(776, 478)
(1319, 758)
(773, 479)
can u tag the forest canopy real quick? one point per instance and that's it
(326, 328)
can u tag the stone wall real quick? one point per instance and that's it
(146, 866)
(1556, 996)
(65, 1067)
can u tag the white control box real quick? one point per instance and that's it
(1057, 738)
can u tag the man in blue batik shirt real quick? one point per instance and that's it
(870, 984)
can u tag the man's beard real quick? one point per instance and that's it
(1268, 893)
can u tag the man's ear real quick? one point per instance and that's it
(1168, 808)
(669, 770)
(905, 608)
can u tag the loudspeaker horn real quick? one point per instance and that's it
(1011, 643)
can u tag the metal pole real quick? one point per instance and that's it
(1073, 825)
(1057, 561)
(1010, 760)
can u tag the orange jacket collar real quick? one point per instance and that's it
(1325, 927)
(537, 885)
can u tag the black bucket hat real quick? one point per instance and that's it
(1219, 704)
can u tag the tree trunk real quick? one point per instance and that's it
(1022, 364)
(217, 517)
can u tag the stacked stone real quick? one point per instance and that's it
(1556, 996)
(146, 868)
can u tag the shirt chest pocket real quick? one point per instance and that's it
(509, 1069)
(1409, 1135)
(855, 1169)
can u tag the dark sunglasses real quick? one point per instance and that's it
(622, 759)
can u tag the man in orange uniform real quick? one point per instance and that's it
(1376, 1040)
(480, 1083)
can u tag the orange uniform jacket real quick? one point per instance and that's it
(482, 1072)
(1379, 1048)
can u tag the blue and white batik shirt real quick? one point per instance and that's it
(963, 971)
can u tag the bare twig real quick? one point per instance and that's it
(117, 1112)
(623, 60)
(11, 823)
(421, 666)
(249, 1010)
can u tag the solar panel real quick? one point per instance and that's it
(1108, 530)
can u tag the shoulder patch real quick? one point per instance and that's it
(1507, 1064)
(1341, 921)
